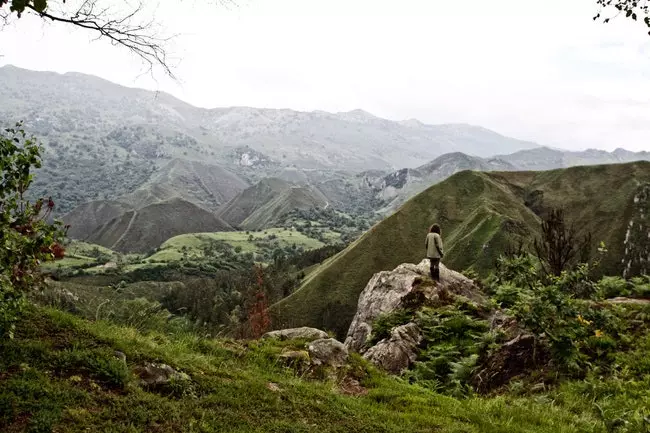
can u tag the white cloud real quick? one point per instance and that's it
(546, 73)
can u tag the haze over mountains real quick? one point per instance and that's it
(114, 154)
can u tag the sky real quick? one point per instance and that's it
(540, 71)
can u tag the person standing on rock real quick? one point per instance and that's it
(433, 246)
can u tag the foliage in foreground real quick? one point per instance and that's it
(27, 238)
(589, 349)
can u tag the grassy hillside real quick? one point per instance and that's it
(480, 214)
(146, 228)
(61, 374)
(86, 218)
(271, 212)
(251, 199)
(194, 244)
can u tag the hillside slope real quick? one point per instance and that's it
(143, 229)
(480, 214)
(88, 217)
(546, 158)
(207, 185)
(294, 198)
(106, 131)
(63, 374)
(248, 201)
(397, 187)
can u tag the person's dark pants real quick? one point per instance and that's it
(435, 269)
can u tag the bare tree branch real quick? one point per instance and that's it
(125, 28)
(138, 37)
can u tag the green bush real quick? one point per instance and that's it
(452, 340)
(27, 238)
(611, 287)
(384, 324)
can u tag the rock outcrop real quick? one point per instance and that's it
(328, 352)
(153, 375)
(304, 333)
(408, 285)
(397, 353)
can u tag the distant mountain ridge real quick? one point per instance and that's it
(397, 187)
(110, 150)
(546, 158)
(95, 130)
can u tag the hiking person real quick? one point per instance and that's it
(433, 246)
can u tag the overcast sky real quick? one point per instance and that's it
(542, 71)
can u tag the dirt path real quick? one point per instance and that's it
(117, 242)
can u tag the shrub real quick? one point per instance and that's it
(27, 238)
(384, 324)
(611, 287)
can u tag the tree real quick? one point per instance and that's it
(126, 28)
(560, 245)
(633, 9)
(259, 319)
(27, 238)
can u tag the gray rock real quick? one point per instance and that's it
(329, 352)
(121, 356)
(397, 353)
(304, 333)
(151, 374)
(298, 359)
(389, 290)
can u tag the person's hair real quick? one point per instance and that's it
(435, 229)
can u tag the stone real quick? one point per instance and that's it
(514, 358)
(328, 352)
(151, 374)
(298, 359)
(396, 353)
(304, 333)
(121, 356)
(408, 284)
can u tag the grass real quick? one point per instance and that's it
(248, 242)
(80, 254)
(480, 213)
(60, 374)
(258, 244)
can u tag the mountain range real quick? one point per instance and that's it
(113, 154)
(481, 215)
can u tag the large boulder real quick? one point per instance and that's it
(397, 353)
(304, 333)
(408, 285)
(328, 352)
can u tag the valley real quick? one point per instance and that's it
(204, 248)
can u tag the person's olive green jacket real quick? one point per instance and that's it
(433, 245)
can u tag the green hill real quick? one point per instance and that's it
(273, 211)
(480, 214)
(86, 218)
(146, 228)
(248, 201)
(193, 244)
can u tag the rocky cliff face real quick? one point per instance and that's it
(406, 287)
(637, 238)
